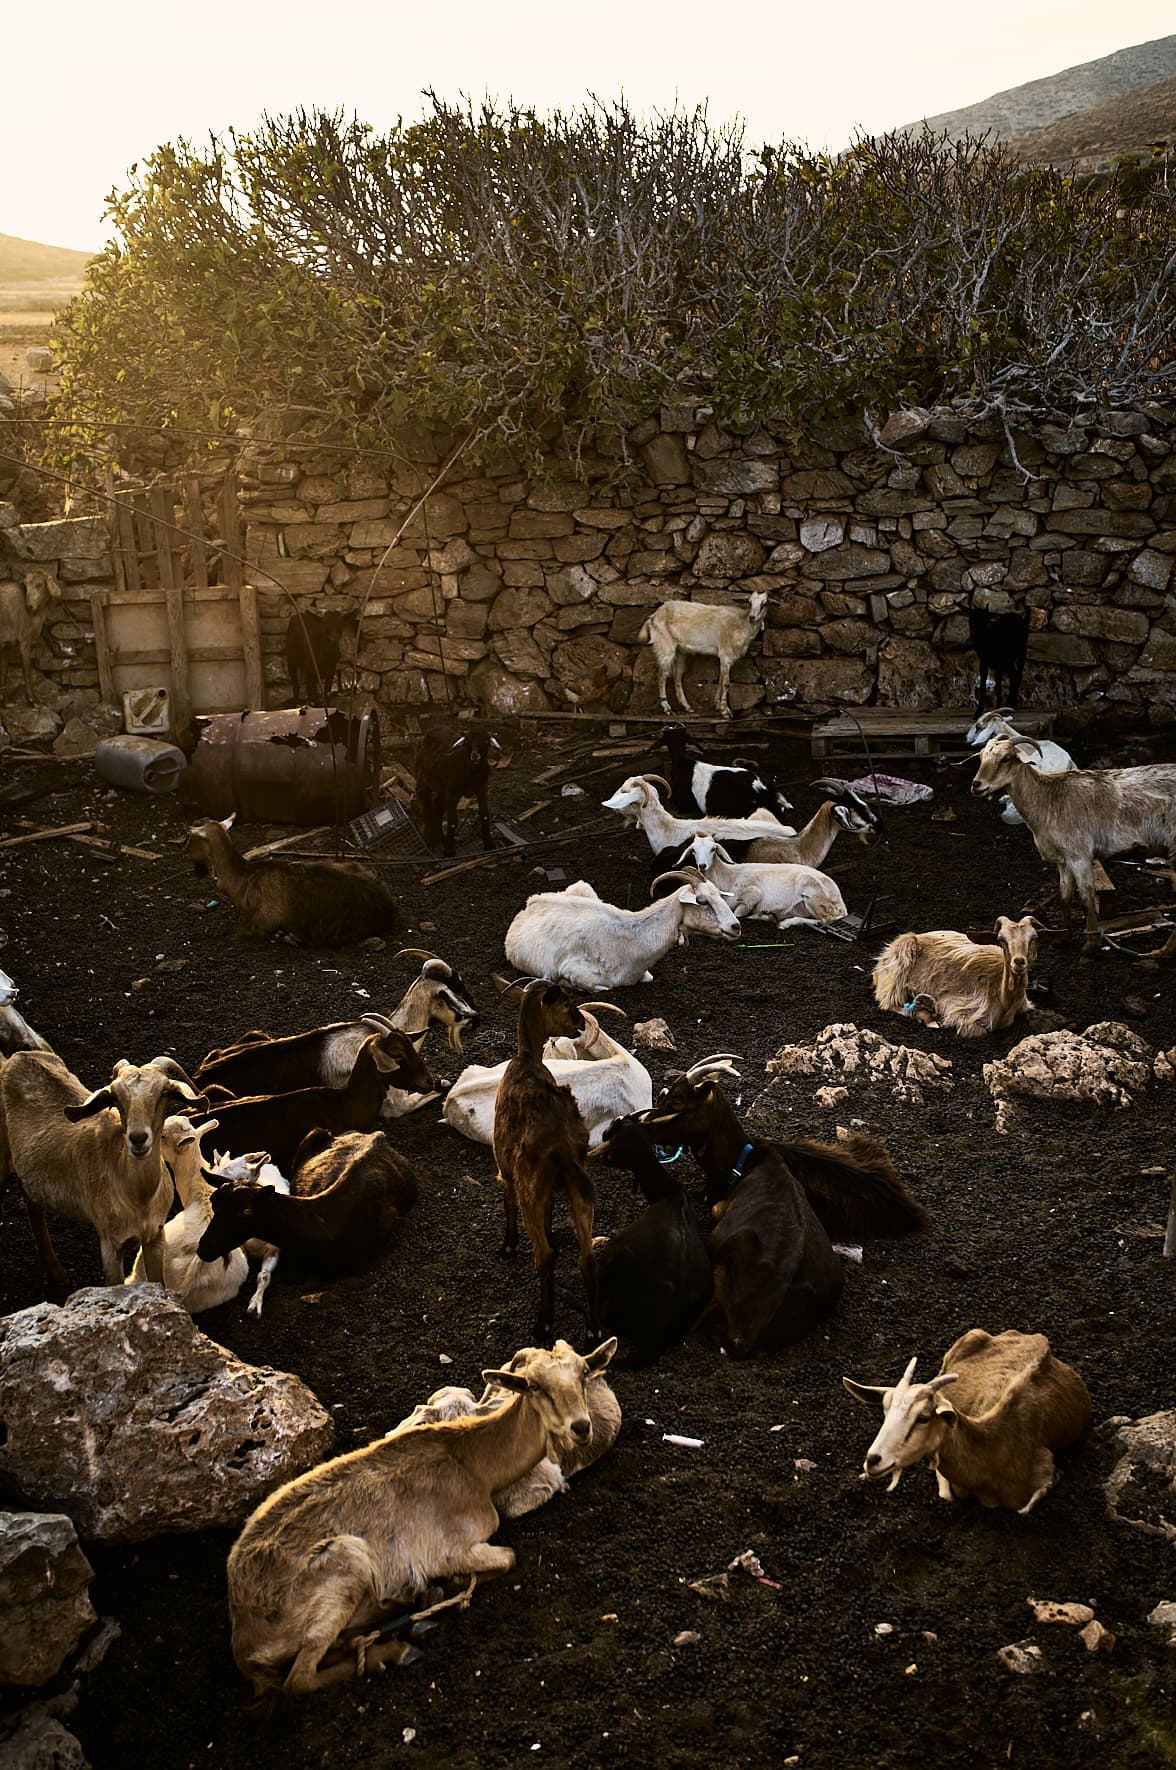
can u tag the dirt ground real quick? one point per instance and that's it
(572, 1660)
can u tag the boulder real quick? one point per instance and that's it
(178, 1433)
(83, 732)
(72, 537)
(45, 1606)
(1107, 1065)
(906, 426)
(496, 690)
(728, 555)
(1141, 1488)
(26, 725)
(842, 1051)
(38, 1741)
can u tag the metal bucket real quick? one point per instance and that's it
(304, 765)
(144, 765)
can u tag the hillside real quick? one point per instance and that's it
(1117, 126)
(25, 261)
(1031, 107)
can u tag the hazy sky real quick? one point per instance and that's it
(91, 88)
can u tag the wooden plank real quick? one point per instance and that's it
(287, 842)
(125, 546)
(251, 648)
(46, 835)
(144, 530)
(194, 523)
(106, 686)
(200, 654)
(147, 598)
(162, 519)
(232, 570)
(110, 848)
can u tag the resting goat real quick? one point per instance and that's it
(1011, 1405)
(606, 1080)
(330, 1553)
(24, 609)
(637, 800)
(15, 1032)
(450, 766)
(260, 1171)
(789, 896)
(1000, 641)
(313, 642)
(94, 1156)
(1051, 758)
(279, 1122)
(971, 989)
(318, 902)
(590, 944)
(776, 1272)
(714, 789)
(809, 847)
(347, 1197)
(196, 1285)
(655, 1274)
(1083, 815)
(540, 1142)
(678, 629)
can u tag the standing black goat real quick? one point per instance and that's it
(312, 652)
(452, 765)
(1000, 641)
(717, 789)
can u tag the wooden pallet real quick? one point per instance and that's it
(889, 732)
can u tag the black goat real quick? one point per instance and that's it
(776, 1272)
(279, 1122)
(452, 765)
(654, 1277)
(1000, 641)
(347, 1194)
(313, 642)
(717, 789)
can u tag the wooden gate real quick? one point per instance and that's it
(164, 625)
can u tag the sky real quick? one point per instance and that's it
(89, 89)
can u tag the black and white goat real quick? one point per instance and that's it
(717, 789)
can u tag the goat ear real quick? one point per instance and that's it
(872, 1395)
(507, 1380)
(181, 1091)
(85, 1109)
(687, 894)
(416, 1040)
(602, 1357)
(226, 823)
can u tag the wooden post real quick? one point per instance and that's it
(106, 686)
(194, 523)
(181, 697)
(251, 648)
(233, 572)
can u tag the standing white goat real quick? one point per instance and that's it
(1050, 757)
(790, 896)
(677, 629)
(574, 937)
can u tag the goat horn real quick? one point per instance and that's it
(943, 1380)
(659, 779)
(415, 952)
(1032, 744)
(705, 1064)
(611, 1006)
(373, 1019)
(688, 876)
(505, 984)
(909, 1372)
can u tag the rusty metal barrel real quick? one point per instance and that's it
(302, 765)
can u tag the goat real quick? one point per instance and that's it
(258, 1169)
(347, 1196)
(451, 766)
(196, 1285)
(1000, 641)
(973, 989)
(1052, 759)
(15, 1032)
(809, 847)
(279, 1122)
(715, 789)
(777, 1273)
(92, 1155)
(1083, 814)
(313, 643)
(547, 1478)
(24, 609)
(677, 629)
(606, 1080)
(590, 944)
(789, 896)
(257, 1064)
(540, 1141)
(1012, 1406)
(637, 800)
(654, 1276)
(329, 1553)
(318, 902)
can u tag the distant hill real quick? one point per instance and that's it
(24, 261)
(1024, 109)
(1117, 126)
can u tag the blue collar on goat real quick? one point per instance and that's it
(741, 1160)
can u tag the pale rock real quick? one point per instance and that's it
(1046, 1611)
(38, 1741)
(496, 690)
(1096, 1638)
(1163, 1617)
(819, 534)
(45, 1606)
(728, 555)
(9, 515)
(570, 586)
(906, 426)
(1141, 1488)
(1022, 1657)
(71, 537)
(653, 1035)
(26, 725)
(844, 1050)
(121, 1413)
(735, 478)
(1107, 1065)
(40, 359)
(831, 1096)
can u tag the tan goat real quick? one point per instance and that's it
(332, 1552)
(971, 989)
(1013, 1404)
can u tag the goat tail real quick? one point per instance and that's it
(854, 1188)
(892, 973)
(643, 637)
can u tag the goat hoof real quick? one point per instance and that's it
(506, 1252)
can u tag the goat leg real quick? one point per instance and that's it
(545, 1321)
(55, 1271)
(510, 1239)
(484, 815)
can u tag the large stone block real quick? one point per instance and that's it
(45, 1605)
(852, 560)
(496, 690)
(666, 460)
(816, 485)
(520, 607)
(831, 679)
(735, 479)
(728, 554)
(76, 537)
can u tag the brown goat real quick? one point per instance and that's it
(321, 903)
(972, 989)
(540, 1145)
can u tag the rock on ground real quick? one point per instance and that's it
(121, 1413)
(1107, 1065)
(843, 1050)
(40, 1742)
(1141, 1488)
(45, 1606)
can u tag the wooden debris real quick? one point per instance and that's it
(287, 842)
(45, 835)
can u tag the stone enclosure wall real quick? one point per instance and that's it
(525, 597)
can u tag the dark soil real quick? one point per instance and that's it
(572, 1660)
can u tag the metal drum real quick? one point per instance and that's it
(303, 765)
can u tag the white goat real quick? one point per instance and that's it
(15, 1032)
(574, 937)
(262, 1172)
(607, 1080)
(637, 800)
(197, 1284)
(24, 609)
(677, 629)
(972, 989)
(94, 1157)
(1051, 758)
(790, 896)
